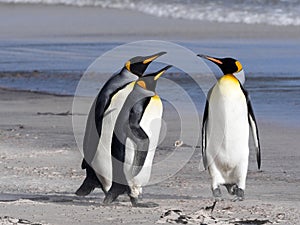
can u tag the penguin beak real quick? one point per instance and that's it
(153, 57)
(215, 60)
(162, 71)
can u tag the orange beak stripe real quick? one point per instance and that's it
(149, 59)
(214, 60)
(158, 75)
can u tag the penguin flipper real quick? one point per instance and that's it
(96, 114)
(95, 118)
(90, 143)
(93, 129)
(91, 136)
(138, 135)
(255, 135)
(253, 125)
(204, 127)
(204, 133)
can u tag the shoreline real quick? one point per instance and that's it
(267, 112)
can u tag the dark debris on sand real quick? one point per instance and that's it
(7, 220)
(223, 214)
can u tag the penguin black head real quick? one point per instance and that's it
(149, 81)
(227, 65)
(139, 64)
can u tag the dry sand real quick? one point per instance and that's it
(40, 167)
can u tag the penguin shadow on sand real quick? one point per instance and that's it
(58, 198)
(68, 198)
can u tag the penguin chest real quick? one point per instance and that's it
(102, 163)
(151, 124)
(228, 129)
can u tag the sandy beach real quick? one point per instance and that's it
(40, 161)
(40, 164)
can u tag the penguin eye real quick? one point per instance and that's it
(127, 65)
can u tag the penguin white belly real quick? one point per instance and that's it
(102, 162)
(227, 133)
(151, 124)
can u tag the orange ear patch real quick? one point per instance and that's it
(127, 65)
(239, 66)
(142, 84)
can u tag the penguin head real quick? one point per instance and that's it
(228, 66)
(149, 81)
(138, 65)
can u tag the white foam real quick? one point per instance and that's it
(273, 12)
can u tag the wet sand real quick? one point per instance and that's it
(40, 167)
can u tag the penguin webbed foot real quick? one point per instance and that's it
(90, 182)
(231, 188)
(109, 198)
(86, 188)
(239, 194)
(88, 185)
(135, 203)
(217, 194)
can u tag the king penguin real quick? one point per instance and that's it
(225, 130)
(132, 70)
(134, 140)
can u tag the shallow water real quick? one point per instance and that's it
(272, 70)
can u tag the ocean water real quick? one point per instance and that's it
(275, 12)
(272, 71)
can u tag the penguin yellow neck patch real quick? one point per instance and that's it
(156, 97)
(229, 77)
